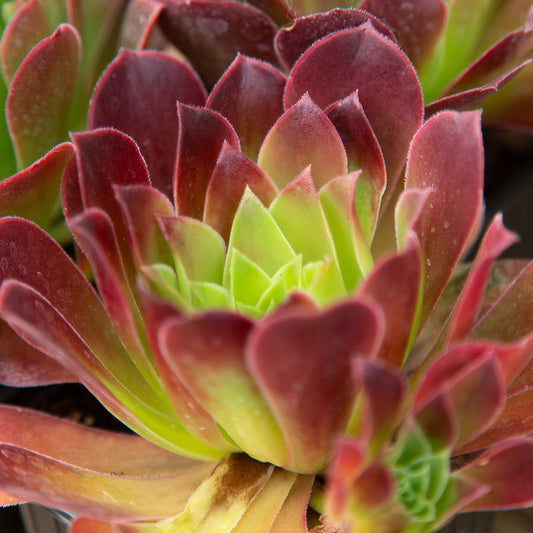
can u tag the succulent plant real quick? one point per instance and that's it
(281, 310)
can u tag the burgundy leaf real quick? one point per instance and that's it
(50, 71)
(394, 284)
(34, 191)
(232, 174)
(303, 136)
(107, 158)
(202, 133)
(363, 59)
(438, 422)
(418, 26)
(21, 365)
(511, 316)
(471, 98)
(210, 34)
(504, 56)
(363, 151)
(94, 232)
(383, 391)
(151, 83)
(291, 42)
(465, 312)
(140, 207)
(471, 375)
(447, 156)
(514, 421)
(250, 96)
(302, 363)
(508, 470)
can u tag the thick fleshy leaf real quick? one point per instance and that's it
(395, 285)
(210, 34)
(464, 315)
(342, 472)
(94, 232)
(471, 375)
(302, 363)
(351, 248)
(27, 27)
(106, 158)
(447, 156)
(512, 105)
(298, 213)
(472, 98)
(49, 72)
(21, 365)
(417, 25)
(511, 317)
(514, 489)
(202, 133)
(362, 59)
(138, 23)
(438, 422)
(303, 136)
(141, 206)
(257, 236)
(207, 353)
(250, 96)
(196, 246)
(91, 472)
(291, 42)
(33, 192)
(41, 302)
(232, 174)
(152, 82)
(383, 392)
(514, 421)
(364, 152)
(129, 397)
(510, 52)
(193, 416)
(407, 213)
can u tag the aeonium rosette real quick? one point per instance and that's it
(265, 257)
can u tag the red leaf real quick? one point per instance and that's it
(250, 96)
(137, 95)
(446, 156)
(362, 59)
(232, 174)
(210, 34)
(291, 42)
(507, 470)
(302, 363)
(202, 133)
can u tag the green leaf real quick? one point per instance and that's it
(299, 215)
(256, 235)
(207, 295)
(247, 281)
